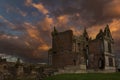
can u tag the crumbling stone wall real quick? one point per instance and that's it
(96, 54)
(63, 41)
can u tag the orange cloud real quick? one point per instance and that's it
(62, 22)
(63, 19)
(44, 47)
(115, 25)
(112, 9)
(94, 30)
(40, 7)
(46, 23)
(115, 28)
(33, 32)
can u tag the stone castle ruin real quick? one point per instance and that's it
(90, 54)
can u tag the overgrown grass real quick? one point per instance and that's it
(86, 76)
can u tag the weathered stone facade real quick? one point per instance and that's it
(70, 50)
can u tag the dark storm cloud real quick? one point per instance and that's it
(12, 45)
(23, 47)
(26, 25)
(90, 11)
(30, 45)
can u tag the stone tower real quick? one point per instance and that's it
(108, 50)
(61, 53)
(101, 54)
(85, 46)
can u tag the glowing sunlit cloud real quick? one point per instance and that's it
(115, 27)
(94, 30)
(40, 7)
(33, 32)
(112, 9)
(44, 47)
(63, 19)
(46, 24)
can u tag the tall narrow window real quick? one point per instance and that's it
(109, 47)
(79, 44)
(50, 59)
(101, 64)
(110, 62)
(79, 48)
(87, 50)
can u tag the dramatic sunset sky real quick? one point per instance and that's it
(26, 25)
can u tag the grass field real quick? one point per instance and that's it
(87, 76)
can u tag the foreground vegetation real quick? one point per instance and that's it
(87, 76)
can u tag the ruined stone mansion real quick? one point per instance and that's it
(93, 54)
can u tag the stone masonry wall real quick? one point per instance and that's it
(63, 59)
(95, 54)
(63, 41)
